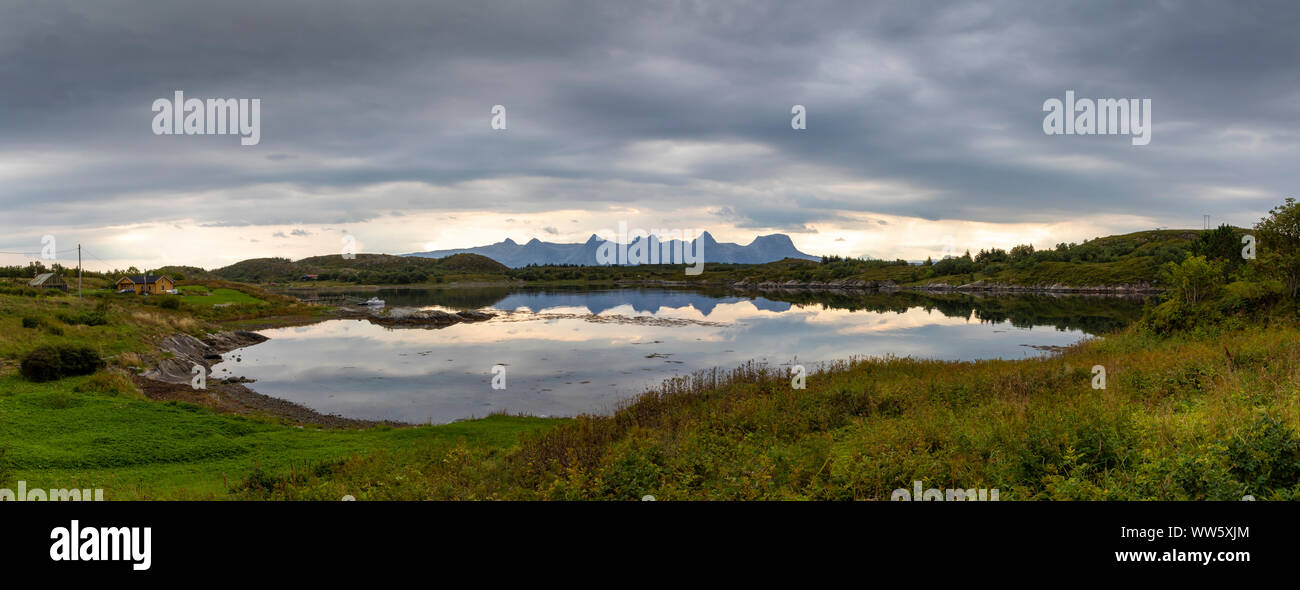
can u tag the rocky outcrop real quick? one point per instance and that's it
(975, 287)
(170, 380)
(186, 352)
(424, 318)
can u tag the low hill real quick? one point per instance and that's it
(471, 263)
(381, 268)
(183, 273)
(1126, 259)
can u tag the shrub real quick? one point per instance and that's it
(1266, 457)
(1221, 245)
(31, 322)
(23, 290)
(1279, 243)
(109, 382)
(170, 303)
(1192, 288)
(58, 400)
(1193, 280)
(634, 469)
(86, 317)
(47, 363)
(1250, 295)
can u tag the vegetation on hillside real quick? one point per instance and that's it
(363, 269)
(1115, 260)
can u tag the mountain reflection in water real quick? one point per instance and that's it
(570, 351)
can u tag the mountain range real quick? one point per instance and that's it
(769, 248)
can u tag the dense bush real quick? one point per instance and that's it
(86, 317)
(111, 382)
(1248, 296)
(1266, 456)
(24, 290)
(31, 322)
(1193, 280)
(1222, 245)
(1220, 281)
(1279, 244)
(51, 362)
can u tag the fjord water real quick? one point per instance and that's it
(568, 352)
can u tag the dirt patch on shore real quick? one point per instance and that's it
(235, 398)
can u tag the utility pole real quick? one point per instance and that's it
(78, 271)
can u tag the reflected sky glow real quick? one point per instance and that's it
(563, 360)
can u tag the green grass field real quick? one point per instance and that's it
(126, 328)
(55, 438)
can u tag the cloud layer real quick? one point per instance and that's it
(376, 114)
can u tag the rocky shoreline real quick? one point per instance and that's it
(1124, 289)
(187, 352)
(171, 378)
(838, 284)
(975, 287)
(170, 381)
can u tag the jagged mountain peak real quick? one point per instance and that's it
(769, 248)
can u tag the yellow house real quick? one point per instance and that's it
(146, 284)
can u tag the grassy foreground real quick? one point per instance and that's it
(138, 449)
(1208, 416)
(1203, 415)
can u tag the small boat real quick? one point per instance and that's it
(373, 301)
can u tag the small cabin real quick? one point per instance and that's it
(49, 280)
(146, 284)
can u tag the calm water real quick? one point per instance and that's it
(569, 352)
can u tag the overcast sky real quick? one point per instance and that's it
(924, 123)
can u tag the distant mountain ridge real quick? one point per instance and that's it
(769, 248)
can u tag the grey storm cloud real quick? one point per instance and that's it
(940, 101)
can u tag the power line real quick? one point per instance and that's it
(87, 252)
(35, 254)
